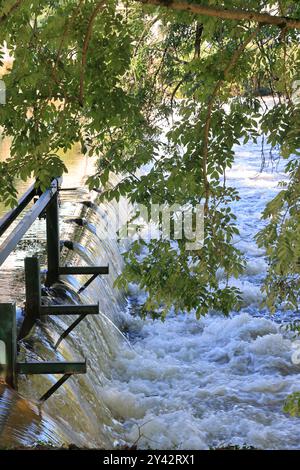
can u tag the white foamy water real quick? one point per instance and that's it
(193, 384)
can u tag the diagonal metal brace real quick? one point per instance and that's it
(55, 387)
(82, 288)
(68, 330)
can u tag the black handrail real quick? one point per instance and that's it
(48, 204)
(11, 216)
(10, 243)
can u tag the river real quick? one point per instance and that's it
(184, 383)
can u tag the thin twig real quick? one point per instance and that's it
(226, 13)
(66, 30)
(215, 92)
(86, 46)
(13, 8)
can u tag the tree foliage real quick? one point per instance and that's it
(110, 75)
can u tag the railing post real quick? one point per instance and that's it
(8, 344)
(33, 295)
(53, 246)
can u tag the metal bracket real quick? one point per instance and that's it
(69, 330)
(66, 368)
(34, 310)
(95, 271)
(10, 368)
(55, 387)
(86, 285)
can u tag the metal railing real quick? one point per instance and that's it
(45, 204)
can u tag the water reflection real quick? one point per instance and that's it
(23, 423)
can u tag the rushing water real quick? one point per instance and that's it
(193, 384)
(185, 383)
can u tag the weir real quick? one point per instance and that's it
(186, 383)
(77, 413)
(45, 205)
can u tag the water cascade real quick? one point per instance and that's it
(180, 384)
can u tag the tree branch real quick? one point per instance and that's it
(86, 46)
(14, 7)
(199, 32)
(68, 24)
(234, 59)
(226, 14)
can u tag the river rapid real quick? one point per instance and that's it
(184, 383)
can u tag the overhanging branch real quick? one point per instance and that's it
(14, 7)
(226, 14)
(234, 59)
(86, 44)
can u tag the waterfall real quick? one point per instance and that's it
(76, 413)
(184, 383)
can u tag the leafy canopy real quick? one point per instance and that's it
(110, 75)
